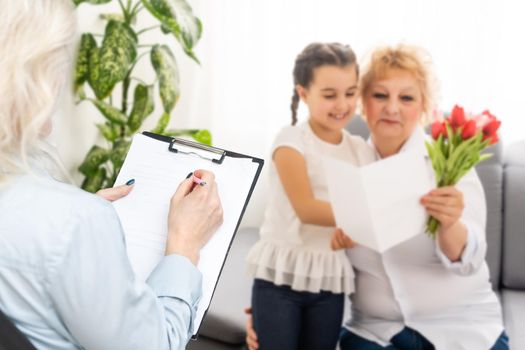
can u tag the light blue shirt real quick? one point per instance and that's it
(66, 282)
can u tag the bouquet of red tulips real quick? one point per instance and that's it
(456, 148)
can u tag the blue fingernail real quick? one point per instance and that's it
(187, 177)
(130, 182)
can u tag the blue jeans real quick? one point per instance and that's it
(407, 339)
(285, 319)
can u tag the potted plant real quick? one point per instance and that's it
(106, 63)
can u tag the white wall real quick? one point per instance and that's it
(242, 90)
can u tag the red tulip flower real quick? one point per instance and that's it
(437, 129)
(488, 114)
(490, 129)
(469, 129)
(457, 117)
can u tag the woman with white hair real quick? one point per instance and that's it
(65, 279)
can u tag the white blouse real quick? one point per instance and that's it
(414, 284)
(293, 253)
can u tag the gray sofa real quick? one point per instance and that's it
(503, 178)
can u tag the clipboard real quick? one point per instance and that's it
(159, 163)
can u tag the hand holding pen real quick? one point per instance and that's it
(194, 215)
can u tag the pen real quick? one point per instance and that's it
(196, 180)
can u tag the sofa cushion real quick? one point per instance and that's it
(225, 319)
(491, 175)
(514, 317)
(514, 216)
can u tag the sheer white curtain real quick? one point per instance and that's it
(243, 88)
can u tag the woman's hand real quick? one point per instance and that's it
(195, 214)
(341, 241)
(112, 194)
(445, 204)
(251, 336)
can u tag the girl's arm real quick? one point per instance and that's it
(291, 168)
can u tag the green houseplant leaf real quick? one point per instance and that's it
(143, 106)
(95, 157)
(118, 154)
(109, 130)
(110, 64)
(111, 113)
(199, 135)
(87, 43)
(95, 182)
(165, 66)
(162, 123)
(177, 17)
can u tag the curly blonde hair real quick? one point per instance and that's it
(412, 59)
(36, 38)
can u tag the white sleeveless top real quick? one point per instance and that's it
(296, 254)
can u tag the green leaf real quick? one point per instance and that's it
(93, 2)
(118, 154)
(115, 57)
(95, 182)
(162, 123)
(110, 131)
(165, 66)
(111, 113)
(95, 157)
(203, 136)
(94, 73)
(87, 43)
(485, 156)
(199, 135)
(143, 106)
(177, 17)
(461, 150)
(439, 164)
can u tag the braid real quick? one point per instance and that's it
(294, 105)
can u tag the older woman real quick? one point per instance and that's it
(65, 279)
(422, 293)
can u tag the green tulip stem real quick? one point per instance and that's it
(432, 226)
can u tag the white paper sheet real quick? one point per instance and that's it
(143, 213)
(378, 205)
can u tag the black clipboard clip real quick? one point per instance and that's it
(175, 143)
(178, 145)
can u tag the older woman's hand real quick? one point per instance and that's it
(341, 241)
(194, 216)
(114, 193)
(445, 204)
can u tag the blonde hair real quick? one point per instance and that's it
(36, 38)
(412, 59)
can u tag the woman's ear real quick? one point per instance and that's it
(301, 92)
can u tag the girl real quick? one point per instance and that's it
(300, 282)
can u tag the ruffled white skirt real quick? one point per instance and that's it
(301, 268)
